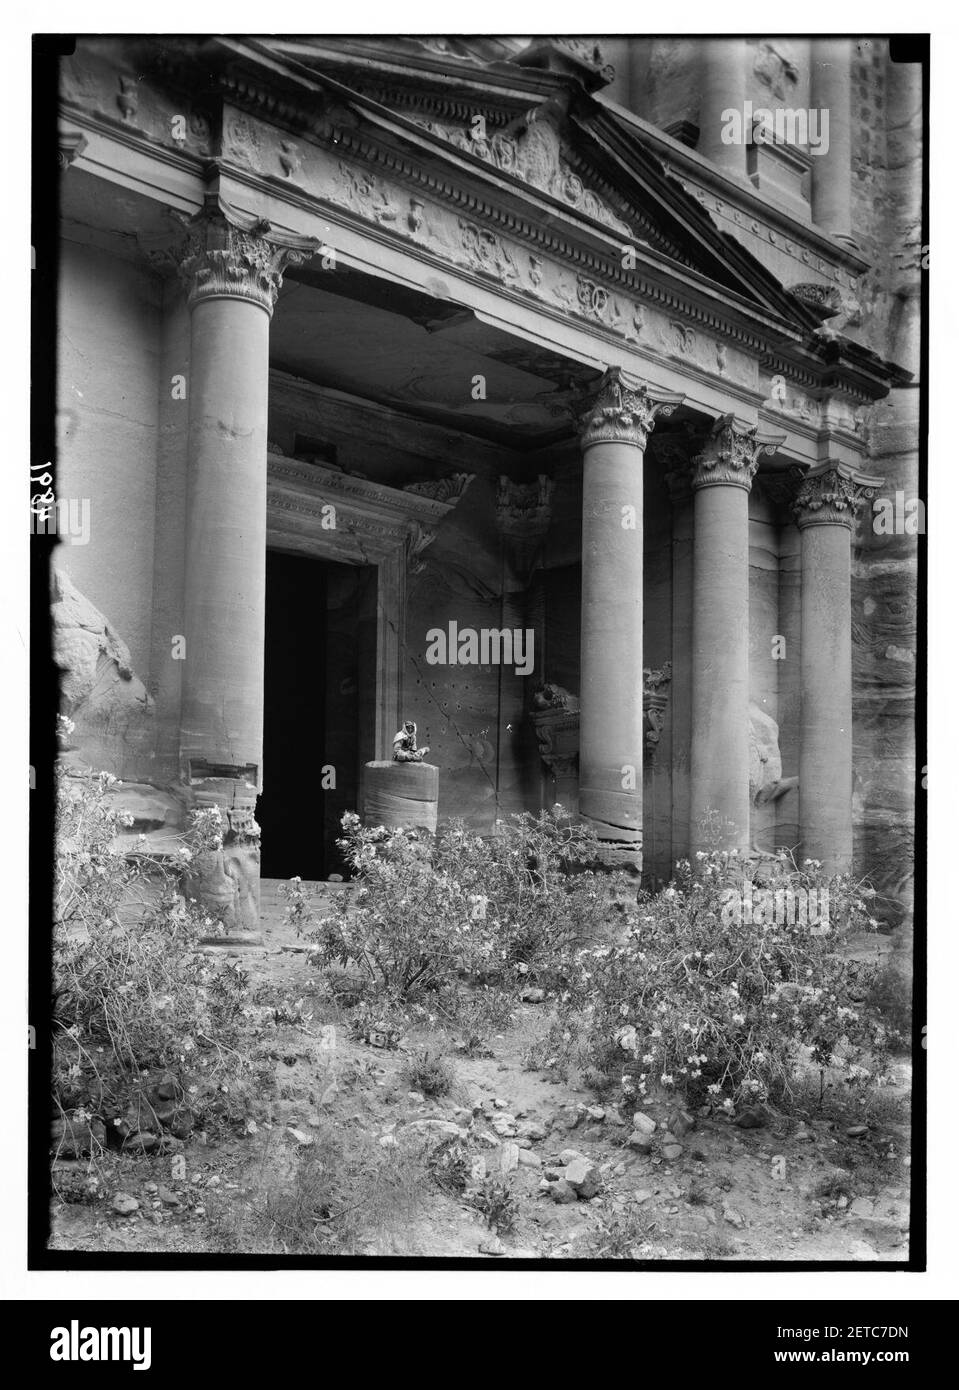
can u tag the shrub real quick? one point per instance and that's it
(708, 997)
(429, 1072)
(135, 1005)
(890, 996)
(431, 913)
(496, 1202)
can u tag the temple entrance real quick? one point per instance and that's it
(319, 708)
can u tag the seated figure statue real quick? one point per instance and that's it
(404, 745)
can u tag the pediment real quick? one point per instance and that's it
(537, 134)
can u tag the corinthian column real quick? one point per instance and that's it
(233, 266)
(825, 508)
(614, 432)
(721, 479)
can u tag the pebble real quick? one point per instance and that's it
(125, 1204)
(493, 1246)
(444, 1127)
(672, 1151)
(168, 1198)
(856, 1131)
(583, 1175)
(596, 1112)
(733, 1217)
(508, 1158)
(535, 995)
(643, 1194)
(528, 1159)
(505, 1126)
(569, 1156)
(563, 1192)
(643, 1124)
(639, 1140)
(680, 1123)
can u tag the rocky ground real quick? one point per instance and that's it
(347, 1156)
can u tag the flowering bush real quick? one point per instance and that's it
(131, 993)
(726, 1003)
(428, 913)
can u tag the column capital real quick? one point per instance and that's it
(223, 253)
(623, 410)
(731, 455)
(831, 494)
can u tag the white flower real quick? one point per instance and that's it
(667, 1080)
(739, 1018)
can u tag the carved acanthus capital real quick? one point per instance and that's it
(223, 253)
(831, 494)
(523, 509)
(71, 144)
(732, 453)
(624, 410)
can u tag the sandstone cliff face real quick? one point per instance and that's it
(887, 185)
(108, 703)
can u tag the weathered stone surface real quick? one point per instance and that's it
(640, 1141)
(100, 691)
(584, 1177)
(563, 1192)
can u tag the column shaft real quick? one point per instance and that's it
(825, 506)
(222, 711)
(611, 692)
(723, 89)
(719, 764)
(614, 435)
(719, 770)
(831, 177)
(825, 749)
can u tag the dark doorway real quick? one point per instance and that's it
(319, 694)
